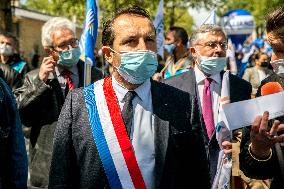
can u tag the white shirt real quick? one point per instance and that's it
(261, 74)
(142, 131)
(215, 89)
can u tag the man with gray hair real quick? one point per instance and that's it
(43, 93)
(206, 81)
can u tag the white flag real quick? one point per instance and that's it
(211, 19)
(159, 26)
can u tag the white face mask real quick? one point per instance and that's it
(278, 67)
(211, 65)
(6, 50)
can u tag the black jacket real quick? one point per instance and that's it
(10, 76)
(262, 169)
(239, 90)
(39, 105)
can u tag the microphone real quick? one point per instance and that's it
(271, 88)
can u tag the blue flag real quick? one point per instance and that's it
(89, 36)
(159, 26)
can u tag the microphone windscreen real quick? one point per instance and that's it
(271, 88)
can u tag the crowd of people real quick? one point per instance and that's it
(145, 121)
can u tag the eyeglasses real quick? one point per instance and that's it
(212, 45)
(66, 45)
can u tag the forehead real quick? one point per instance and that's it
(170, 34)
(6, 39)
(211, 36)
(132, 25)
(62, 35)
(263, 56)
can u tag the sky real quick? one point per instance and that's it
(198, 15)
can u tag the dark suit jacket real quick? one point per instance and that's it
(39, 106)
(180, 159)
(239, 90)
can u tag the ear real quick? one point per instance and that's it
(179, 42)
(193, 52)
(47, 50)
(108, 54)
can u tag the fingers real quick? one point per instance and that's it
(280, 127)
(227, 144)
(48, 60)
(264, 123)
(47, 66)
(274, 128)
(227, 147)
(255, 125)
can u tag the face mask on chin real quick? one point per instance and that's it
(137, 66)
(211, 65)
(278, 67)
(6, 50)
(170, 48)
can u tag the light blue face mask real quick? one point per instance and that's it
(170, 48)
(70, 57)
(137, 66)
(212, 65)
(278, 67)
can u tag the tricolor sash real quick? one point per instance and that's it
(110, 136)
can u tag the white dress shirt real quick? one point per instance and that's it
(215, 89)
(142, 130)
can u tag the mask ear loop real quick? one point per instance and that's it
(114, 51)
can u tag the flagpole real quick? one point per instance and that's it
(88, 72)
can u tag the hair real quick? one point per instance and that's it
(179, 32)
(108, 30)
(256, 56)
(13, 37)
(205, 28)
(275, 22)
(52, 25)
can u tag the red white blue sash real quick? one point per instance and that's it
(111, 138)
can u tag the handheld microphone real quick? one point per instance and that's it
(271, 88)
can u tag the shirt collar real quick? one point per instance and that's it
(73, 70)
(141, 91)
(200, 77)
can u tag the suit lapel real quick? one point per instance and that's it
(81, 72)
(191, 82)
(161, 134)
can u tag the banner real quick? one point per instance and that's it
(159, 26)
(238, 24)
(88, 39)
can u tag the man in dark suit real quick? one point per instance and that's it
(208, 48)
(42, 95)
(161, 130)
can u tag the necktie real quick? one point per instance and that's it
(127, 111)
(207, 108)
(69, 84)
